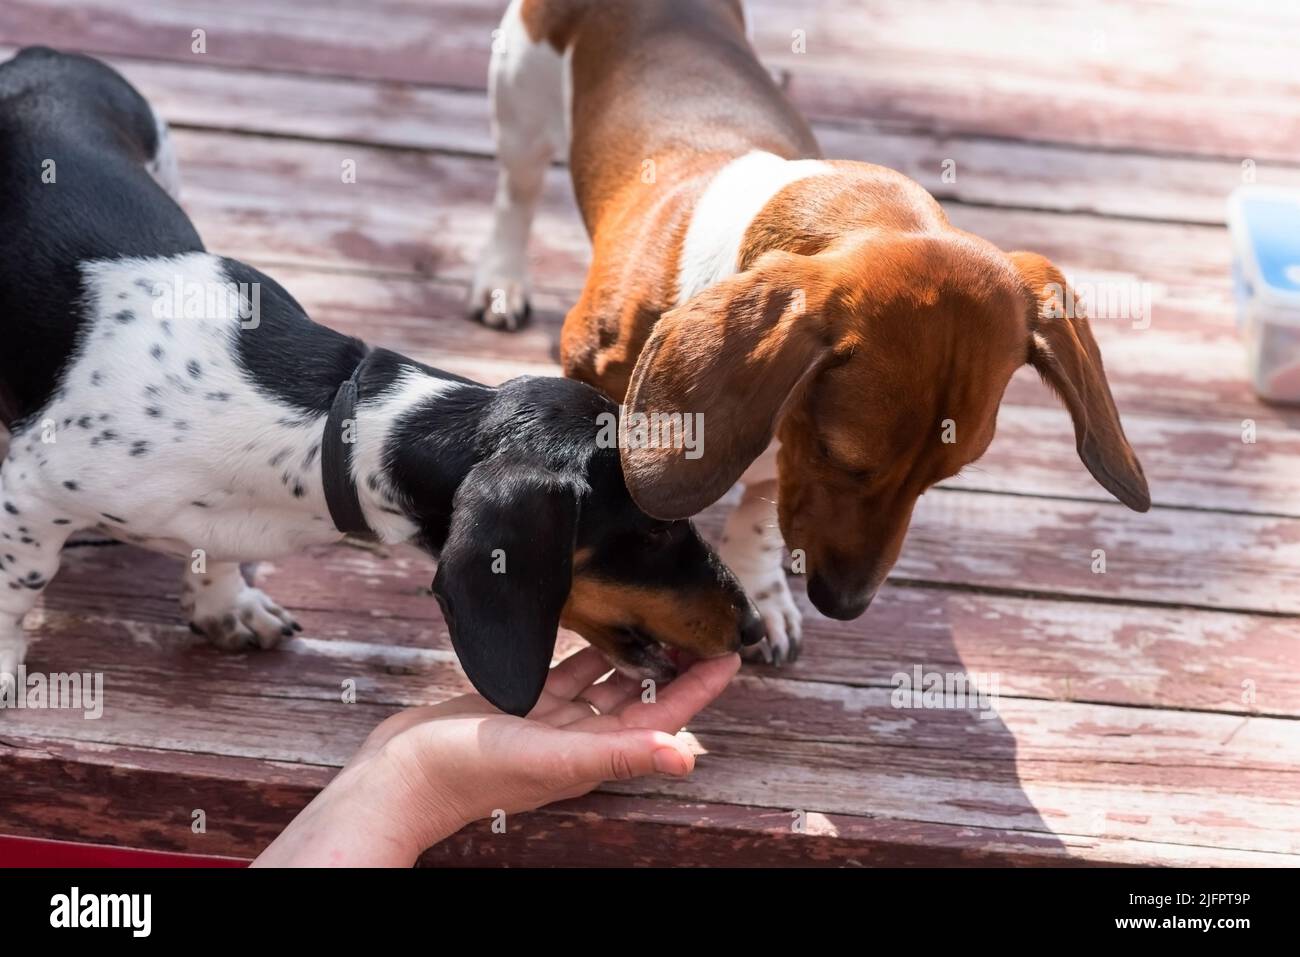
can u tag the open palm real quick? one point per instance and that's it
(426, 772)
(582, 731)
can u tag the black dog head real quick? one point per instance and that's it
(52, 88)
(543, 532)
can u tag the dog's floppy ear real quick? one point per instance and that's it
(504, 575)
(734, 354)
(1062, 349)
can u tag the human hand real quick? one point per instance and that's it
(426, 772)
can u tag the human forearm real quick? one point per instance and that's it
(366, 817)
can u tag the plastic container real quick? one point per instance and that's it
(1265, 226)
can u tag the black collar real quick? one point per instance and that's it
(336, 458)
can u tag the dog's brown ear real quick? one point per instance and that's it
(1062, 349)
(733, 355)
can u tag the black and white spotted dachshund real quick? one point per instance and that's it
(185, 402)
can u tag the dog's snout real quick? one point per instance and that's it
(752, 629)
(843, 604)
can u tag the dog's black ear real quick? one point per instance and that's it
(504, 575)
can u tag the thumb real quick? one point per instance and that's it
(619, 755)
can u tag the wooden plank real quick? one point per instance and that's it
(988, 171)
(1041, 647)
(1109, 74)
(1123, 84)
(827, 777)
(822, 712)
(752, 837)
(445, 42)
(140, 796)
(201, 94)
(1177, 778)
(1191, 462)
(140, 659)
(1183, 558)
(147, 797)
(1033, 760)
(1063, 177)
(1114, 757)
(418, 214)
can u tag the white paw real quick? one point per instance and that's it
(251, 619)
(783, 620)
(499, 298)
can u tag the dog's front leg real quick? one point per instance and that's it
(526, 87)
(31, 537)
(752, 548)
(228, 611)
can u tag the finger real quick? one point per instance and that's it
(596, 699)
(684, 697)
(575, 672)
(634, 753)
(605, 697)
(566, 714)
(674, 706)
(556, 706)
(612, 693)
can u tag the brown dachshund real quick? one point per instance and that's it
(846, 346)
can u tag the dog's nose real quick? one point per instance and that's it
(752, 629)
(844, 605)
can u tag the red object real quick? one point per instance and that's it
(34, 852)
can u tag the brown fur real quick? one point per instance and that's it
(627, 69)
(603, 612)
(860, 322)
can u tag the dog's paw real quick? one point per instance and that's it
(784, 623)
(252, 620)
(500, 302)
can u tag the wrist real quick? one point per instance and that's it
(419, 811)
(368, 816)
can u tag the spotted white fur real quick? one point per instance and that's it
(157, 436)
(149, 378)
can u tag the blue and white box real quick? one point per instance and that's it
(1265, 226)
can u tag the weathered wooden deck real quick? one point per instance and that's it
(1147, 715)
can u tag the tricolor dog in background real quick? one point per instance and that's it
(846, 345)
(185, 402)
